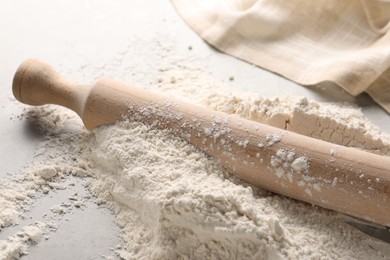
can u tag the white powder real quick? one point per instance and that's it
(174, 206)
(300, 164)
(16, 246)
(270, 139)
(284, 164)
(47, 173)
(336, 123)
(174, 202)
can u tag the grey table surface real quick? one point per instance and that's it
(70, 33)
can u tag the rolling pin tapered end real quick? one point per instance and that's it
(34, 83)
(17, 83)
(37, 83)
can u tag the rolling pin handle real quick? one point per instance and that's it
(37, 83)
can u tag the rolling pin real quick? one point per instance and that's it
(343, 179)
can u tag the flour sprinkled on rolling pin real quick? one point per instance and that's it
(286, 163)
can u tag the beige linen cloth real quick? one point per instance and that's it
(308, 41)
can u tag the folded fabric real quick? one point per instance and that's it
(343, 41)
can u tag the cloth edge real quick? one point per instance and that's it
(379, 93)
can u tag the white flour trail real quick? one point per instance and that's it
(333, 122)
(174, 202)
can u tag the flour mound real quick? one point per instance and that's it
(17, 245)
(338, 123)
(175, 202)
(335, 123)
(171, 200)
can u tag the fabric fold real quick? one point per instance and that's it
(345, 42)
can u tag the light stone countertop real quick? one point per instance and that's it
(72, 34)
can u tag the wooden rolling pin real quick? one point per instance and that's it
(344, 179)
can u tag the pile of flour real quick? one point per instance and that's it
(174, 202)
(337, 123)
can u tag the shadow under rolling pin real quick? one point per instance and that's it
(344, 179)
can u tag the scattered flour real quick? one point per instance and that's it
(16, 246)
(285, 163)
(173, 206)
(174, 202)
(300, 164)
(271, 139)
(337, 123)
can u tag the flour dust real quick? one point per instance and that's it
(172, 201)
